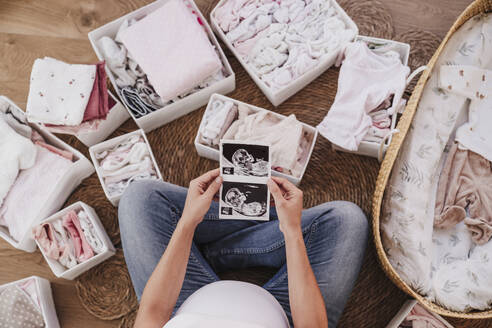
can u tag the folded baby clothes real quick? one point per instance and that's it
(29, 286)
(38, 181)
(98, 105)
(173, 49)
(17, 310)
(465, 184)
(282, 40)
(69, 240)
(286, 137)
(476, 84)
(59, 92)
(127, 162)
(366, 80)
(216, 121)
(17, 153)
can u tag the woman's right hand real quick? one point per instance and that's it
(288, 201)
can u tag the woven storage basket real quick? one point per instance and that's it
(477, 7)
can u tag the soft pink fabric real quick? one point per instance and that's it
(98, 106)
(45, 236)
(31, 190)
(465, 183)
(421, 318)
(172, 49)
(83, 250)
(63, 153)
(85, 127)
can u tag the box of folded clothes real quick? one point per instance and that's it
(389, 59)
(412, 314)
(291, 142)
(34, 163)
(122, 160)
(73, 99)
(28, 303)
(283, 45)
(163, 60)
(73, 240)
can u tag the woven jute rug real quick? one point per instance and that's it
(106, 290)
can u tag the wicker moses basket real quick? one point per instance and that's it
(477, 7)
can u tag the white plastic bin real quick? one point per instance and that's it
(183, 106)
(405, 310)
(108, 144)
(277, 97)
(214, 154)
(62, 272)
(81, 169)
(43, 290)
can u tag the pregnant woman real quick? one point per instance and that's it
(175, 245)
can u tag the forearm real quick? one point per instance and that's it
(164, 285)
(306, 302)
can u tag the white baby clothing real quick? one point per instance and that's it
(59, 92)
(216, 121)
(476, 84)
(366, 80)
(17, 153)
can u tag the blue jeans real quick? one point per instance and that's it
(335, 234)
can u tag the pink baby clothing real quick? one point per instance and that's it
(366, 80)
(421, 318)
(465, 183)
(98, 106)
(45, 236)
(38, 139)
(83, 250)
(476, 84)
(31, 190)
(173, 50)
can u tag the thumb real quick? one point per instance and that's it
(213, 188)
(275, 190)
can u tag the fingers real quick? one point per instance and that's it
(206, 178)
(275, 190)
(213, 188)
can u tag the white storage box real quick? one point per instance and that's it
(214, 154)
(43, 290)
(116, 116)
(81, 169)
(114, 199)
(371, 148)
(183, 106)
(402, 48)
(405, 310)
(277, 97)
(62, 272)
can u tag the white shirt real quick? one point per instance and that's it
(226, 304)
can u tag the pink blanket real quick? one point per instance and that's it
(173, 49)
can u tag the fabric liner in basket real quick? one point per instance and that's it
(476, 8)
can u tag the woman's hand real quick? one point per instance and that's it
(200, 195)
(288, 201)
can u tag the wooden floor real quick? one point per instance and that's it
(30, 29)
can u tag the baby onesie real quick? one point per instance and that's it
(216, 121)
(366, 80)
(465, 182)
(476, 84)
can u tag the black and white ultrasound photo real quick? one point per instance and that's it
(242, 159)
(244, 201)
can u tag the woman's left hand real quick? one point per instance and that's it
(200, 195)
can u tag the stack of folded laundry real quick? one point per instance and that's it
(20, 305)
(282, 40)
(68, 98)
(289, 142)
(127, 162)
(161, 58)
(30, 166)
(69, 240)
